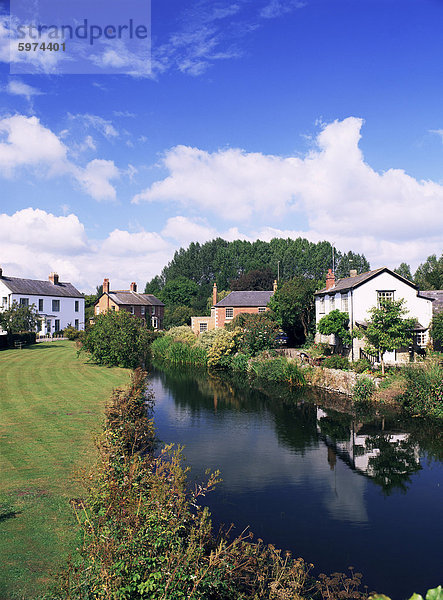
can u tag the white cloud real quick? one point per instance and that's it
(339, 195)
(19, 88)
(95, 179)
(33, 243)
(103, 126)
(26, 143)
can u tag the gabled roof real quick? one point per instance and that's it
(40, 288)
(244, 299)
(127, 297)
(437, 299)
(349, 283)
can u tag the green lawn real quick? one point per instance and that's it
(51, 406)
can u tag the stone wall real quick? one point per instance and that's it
(335, 380)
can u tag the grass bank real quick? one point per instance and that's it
(51, 404)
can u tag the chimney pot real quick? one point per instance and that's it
(353, 273)
(330, 279)
(133, 287)
(214, 294)
(53, 278)
(106, 286)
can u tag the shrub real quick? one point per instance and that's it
(364, 389)
(225, 344)
(183, 333)
(278, 369)
(239, 362)
(336, 361)
(259, 332)
(71, 332)
(117, 339)
(424, 389)
(361, 365)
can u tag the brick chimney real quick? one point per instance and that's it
(330, 279)
(133, 287)
(353, 273)
(53, 278)
(214, 294)
(106, 286)
(275, 286)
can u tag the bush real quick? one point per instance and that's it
(424, 389)
(336, 361)
(71, 333)
(117, 339)
(278, 369)
(361, 365)
(364, 389)
(239, 362)
(225, 344)
(259, 332)
(183, 333)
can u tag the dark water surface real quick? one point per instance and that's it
(307, 475)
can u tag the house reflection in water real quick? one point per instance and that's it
(389, 458)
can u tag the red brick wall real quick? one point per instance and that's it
(221, 313)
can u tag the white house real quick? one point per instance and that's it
(58, 303)
(359, 293)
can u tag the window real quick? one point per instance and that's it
(322, 306)
(57, 324)
(97, 310)
(152, 310)
(76, 306)
(154, 321)
(24, 301)
(76, 324)
(203, 327)
(142, 310)
(421, 339)
(344, 303)
(331, 302)
(5, 301)
(131, 310)
(40, 305)
(229, 313)
(113, 307)
(384, 296)
(262, 309)
(56, 307)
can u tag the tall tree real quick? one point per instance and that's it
(404, 270)
(388, 329)
(257, 279)
(293, 305)
(429, 275)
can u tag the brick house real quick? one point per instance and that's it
(143, 306)
(58, 303)
(235, 303)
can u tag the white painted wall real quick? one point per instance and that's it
(67, 314)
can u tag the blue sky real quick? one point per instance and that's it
(260, 118)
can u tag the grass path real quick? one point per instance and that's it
(51, 405)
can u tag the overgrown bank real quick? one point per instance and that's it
(145, 535)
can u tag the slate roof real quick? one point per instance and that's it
(246, 299)
(134, 299)
(40, 288)
(436, 296)
(348, 283)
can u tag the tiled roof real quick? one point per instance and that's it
(133, 299)
(348, 283)
(436, 296)
(246, 299)
(40, 288)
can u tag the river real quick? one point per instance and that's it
(309, 475)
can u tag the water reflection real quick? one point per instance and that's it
(309, 474)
